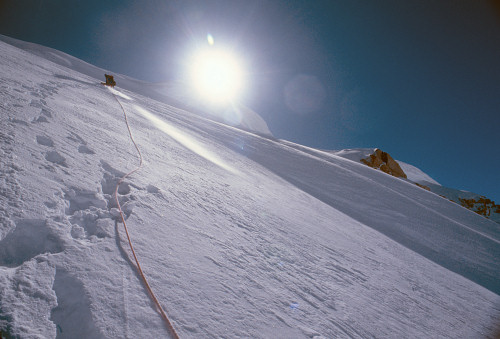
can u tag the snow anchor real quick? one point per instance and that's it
(138, 266)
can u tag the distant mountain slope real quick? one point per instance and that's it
(240, 235)
(416, 174)
(472, 201)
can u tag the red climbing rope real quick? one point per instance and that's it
(139, 269)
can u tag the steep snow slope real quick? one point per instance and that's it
(240, 235)
(235, 115)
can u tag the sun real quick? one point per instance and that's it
(217, 76)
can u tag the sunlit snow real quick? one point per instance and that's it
(240, 235)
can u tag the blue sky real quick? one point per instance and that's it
(419, 79)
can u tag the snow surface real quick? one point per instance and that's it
(235, 114)
(416, 174)
(240, 236)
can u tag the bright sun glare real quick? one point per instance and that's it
(217, 75)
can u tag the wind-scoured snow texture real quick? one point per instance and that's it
(240, 236)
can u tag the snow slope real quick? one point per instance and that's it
(241, 236)
(236, 114)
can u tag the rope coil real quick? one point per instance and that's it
(139, 269)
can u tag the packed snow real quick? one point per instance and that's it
(240, 235)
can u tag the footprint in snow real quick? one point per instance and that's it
(41, 118)
(85, 150)
(110, 179)
(44, 140)
(18, 121)
(76, 138)
(30, 238)
(73, 314)
(87, 212)
(56, 158)
(46, 112)
(38, 103)
(153, 189)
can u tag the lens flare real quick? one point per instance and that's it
(210, 39)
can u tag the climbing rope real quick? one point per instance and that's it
(139, 269)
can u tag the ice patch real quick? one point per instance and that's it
(84, 149)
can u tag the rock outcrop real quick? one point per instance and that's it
(384, 162)
(482, 206)
(423, 186)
